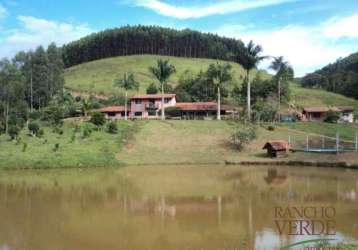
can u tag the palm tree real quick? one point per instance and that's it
(162, 71)
(249, 57)
(220, 74)
(85, 106)
(127, 83)
(281, 67)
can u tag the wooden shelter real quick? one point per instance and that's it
(276, 148)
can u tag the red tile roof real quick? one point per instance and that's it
(327, 109)
(153, 96)
(199, 106)
(113, 109)
(277, 145)
(346, 108)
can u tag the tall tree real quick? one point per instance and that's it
(55, 70)
(219, 74)
(162, 71)
(281, 67)
(249, 57)
(11, 90)
(41, 77)
(127, 83)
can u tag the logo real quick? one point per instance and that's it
(308, 222)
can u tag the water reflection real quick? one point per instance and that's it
(166, 207)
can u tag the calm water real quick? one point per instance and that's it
(196, 207)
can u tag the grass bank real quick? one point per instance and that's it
(162, 143)
(97, 150)
(208, 142)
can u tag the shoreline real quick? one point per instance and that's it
(288, 163)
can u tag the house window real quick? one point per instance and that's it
(138, 101)
(166, 100)
(138, 113)
(152, 113)
(111, 114)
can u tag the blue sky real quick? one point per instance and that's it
(309, 33)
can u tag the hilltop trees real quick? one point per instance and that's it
(138, 40)
(339, 77)
(127, 83)
(162, 71)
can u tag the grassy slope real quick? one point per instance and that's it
(97, 76)
(303, 97)
(96, 151)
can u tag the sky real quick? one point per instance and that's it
(308, 33)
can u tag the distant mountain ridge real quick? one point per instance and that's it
(339, 77)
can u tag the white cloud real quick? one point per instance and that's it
(341, 27)
(223, 7)
(35, 31)
(306, 48)
(3, 11)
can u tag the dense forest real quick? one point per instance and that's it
(131, 40)
(29, 82)
(339, 77)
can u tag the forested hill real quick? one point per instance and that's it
(132, 40)
(339, 77)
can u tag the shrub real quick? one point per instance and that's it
(34, 128)
(24, 147)
(242, 137)
(35, 115)
(13, 131)
(57, 130)
(98, 119)
(86, 130)
(41, 133)
(271, 128)
(56, 147)
(112, 127)
(54, 114)
(332, 117)
(152, 89)
(173, 111)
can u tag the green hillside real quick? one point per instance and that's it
(97, 76)
(303, 97)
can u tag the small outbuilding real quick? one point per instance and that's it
(276, 148)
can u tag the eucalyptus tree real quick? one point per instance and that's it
(11, 90)
(162, 71)
(249, 57)
(281, 67)
(219, 74)
(127, 83)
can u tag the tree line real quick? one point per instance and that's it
(132, 40)
(340, 77)
(28, 82)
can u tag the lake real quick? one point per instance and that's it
(173, 207)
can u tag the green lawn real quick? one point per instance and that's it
(98, 150)
(97, 76)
